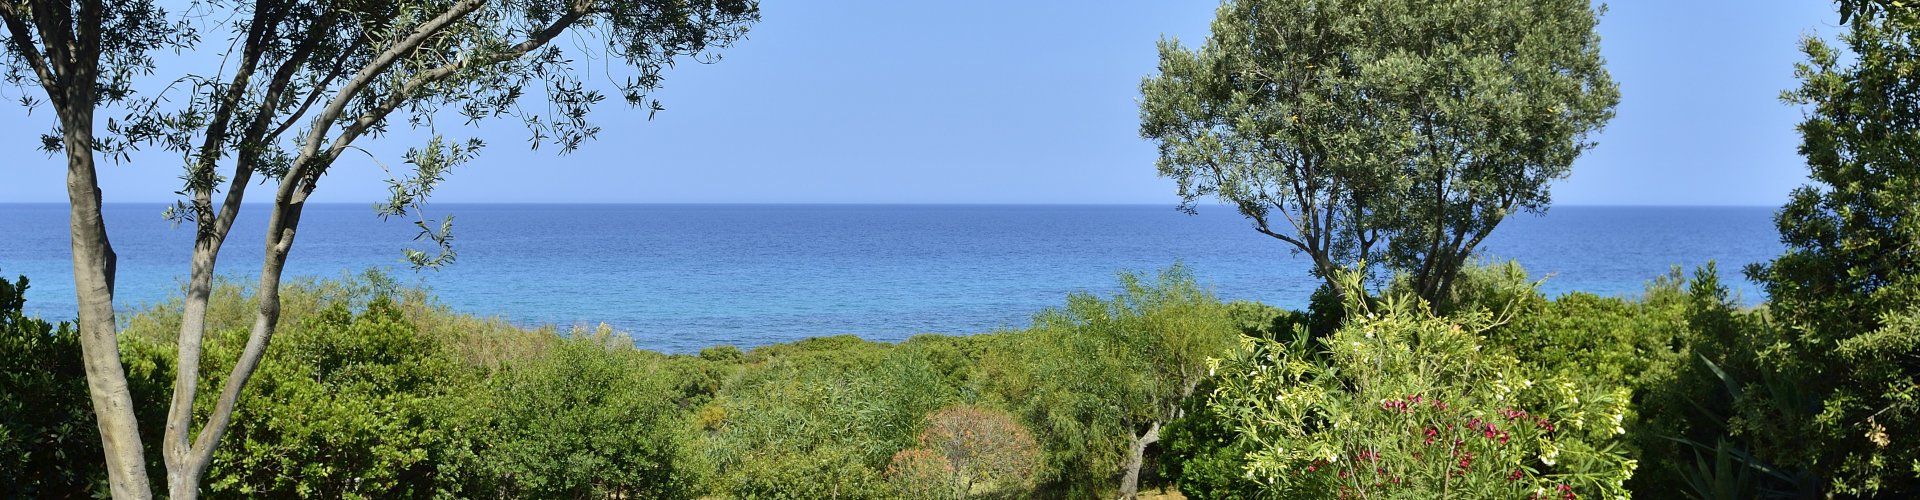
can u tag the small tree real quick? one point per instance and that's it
(964, 447)
(1099, 378)
(1845, 292)
(1397, 131)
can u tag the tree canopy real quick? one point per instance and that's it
(1380, 131)
(302, 82)
(1844, 293)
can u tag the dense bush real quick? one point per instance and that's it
(49, 446)
(1098, 379)
(49, 443)
(592, 418)
(1402, 404)
(1204, 457)
(348, 406)
(967, 449)
(822, 417)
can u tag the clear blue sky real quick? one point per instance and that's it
(1034, 102)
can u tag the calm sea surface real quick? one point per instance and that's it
(681, 277)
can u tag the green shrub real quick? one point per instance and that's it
(1203, 456)
(587, 420)
(966, 450)
(49, 445)
(838, 407)
(1846, 292)
(347, 406)
(1100, 377)
(1399, 403)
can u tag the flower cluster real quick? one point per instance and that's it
(1565, 492)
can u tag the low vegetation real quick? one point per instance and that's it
(377, 391)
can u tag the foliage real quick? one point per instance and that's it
(408, 398)
(48, 443)
(351, 406)
(1843, 295)
(821, 417)
(924, 473)
(1204, 457)
(965, 448)
(588, 420)
(376, 389)
(1399, 403)
(1396, 131)
(1093, 378)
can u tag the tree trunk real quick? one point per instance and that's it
(178, 446)
(93, 272)
(184, 479)
(1136, 457)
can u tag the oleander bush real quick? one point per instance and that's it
(1398, 403)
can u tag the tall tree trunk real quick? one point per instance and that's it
(93, 272)
(1136, 457)
(177, 446)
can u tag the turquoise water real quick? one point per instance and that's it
(680, 277)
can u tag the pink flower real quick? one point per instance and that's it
(1516, 475)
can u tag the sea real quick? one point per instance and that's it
(678, 278)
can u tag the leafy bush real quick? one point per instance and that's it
(348, 406)
(1097, 379)
(1403, 404)
(964, 449)
(821, 417)
(1846, 292)
(49, 446)
(592, 418)
(1203, 456)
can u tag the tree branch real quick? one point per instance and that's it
(22, 38)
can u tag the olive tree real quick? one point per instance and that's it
(1370, 131)
(307, 79)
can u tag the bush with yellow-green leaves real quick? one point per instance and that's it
(1399, 403)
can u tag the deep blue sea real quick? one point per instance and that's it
(681, 277)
